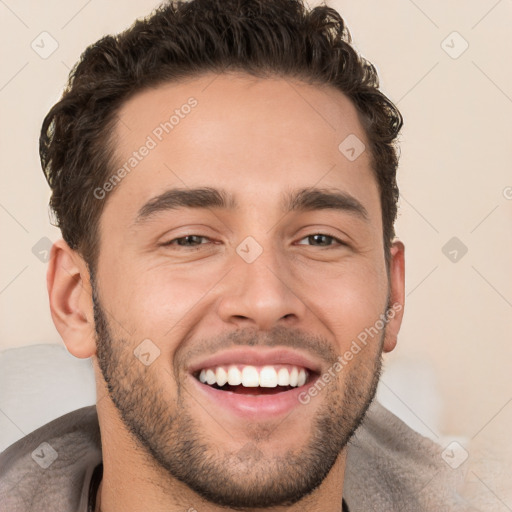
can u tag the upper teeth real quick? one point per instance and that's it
(252, 377)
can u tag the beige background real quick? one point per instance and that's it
(455, 180)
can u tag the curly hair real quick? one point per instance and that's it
(184, 39)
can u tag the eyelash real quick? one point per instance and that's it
(170, 242)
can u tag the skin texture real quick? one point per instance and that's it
(166, 447)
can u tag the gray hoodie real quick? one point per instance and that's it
(390, 468)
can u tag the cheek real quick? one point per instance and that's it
(154, 303)
(348, 302)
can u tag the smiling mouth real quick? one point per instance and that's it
(252, 380)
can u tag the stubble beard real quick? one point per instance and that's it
(244, 478)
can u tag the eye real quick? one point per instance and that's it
(317, 239)
(322, 240)
(187, 241)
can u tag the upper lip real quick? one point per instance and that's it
(257, 357)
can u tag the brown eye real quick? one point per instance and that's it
(322, 240)
(187, 241)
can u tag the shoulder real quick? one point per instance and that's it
(390, 467)
(48, 467)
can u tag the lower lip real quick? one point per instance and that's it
(253, 407)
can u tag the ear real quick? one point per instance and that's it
(396, 295)
(70, 295)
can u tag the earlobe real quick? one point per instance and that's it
(397, 295)
(70, 298)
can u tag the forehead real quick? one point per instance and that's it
(255, 137)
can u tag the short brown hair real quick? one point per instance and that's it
(185, 39)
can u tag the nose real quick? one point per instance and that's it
(260, 294)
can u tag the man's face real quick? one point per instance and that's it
(257, 282)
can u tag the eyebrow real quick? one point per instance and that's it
(305, 199)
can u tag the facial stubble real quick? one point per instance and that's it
(176, 442)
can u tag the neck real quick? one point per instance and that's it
(97, 508)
